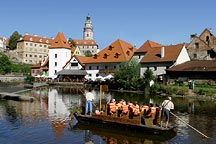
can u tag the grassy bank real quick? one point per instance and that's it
(183, 89)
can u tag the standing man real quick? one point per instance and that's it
(167, 105)
(89, 98)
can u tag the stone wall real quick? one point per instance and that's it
(11, 78)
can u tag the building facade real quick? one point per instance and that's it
(202, 47)
(59, 54)
(3, 43)
(32, 49)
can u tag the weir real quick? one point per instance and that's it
(14, 96)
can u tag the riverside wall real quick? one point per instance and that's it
(12, 78)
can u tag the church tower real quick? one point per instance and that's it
(88, 29)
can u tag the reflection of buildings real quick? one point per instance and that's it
(58, 103)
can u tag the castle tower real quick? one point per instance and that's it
(88, 29)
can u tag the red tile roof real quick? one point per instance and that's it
(118, 51)
(196, 65)
(36, 39)
(148, 45)
(60, 42)
(171, 53)
(81, 59)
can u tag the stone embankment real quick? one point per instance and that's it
(12, 78)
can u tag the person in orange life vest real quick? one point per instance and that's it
(167, 105)
(124, 108)
(112, 106)
(89, 98)
(148, 114)
(136, 109)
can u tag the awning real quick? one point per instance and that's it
(72, 72)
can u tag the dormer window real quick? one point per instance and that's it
(40, 40)
(95, 56)
(111, 47)
(105, 55)
(31, 39)
(47, 41)
(116, 55)
(131, 48)
(128, 53)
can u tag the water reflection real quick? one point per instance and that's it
(46, 120)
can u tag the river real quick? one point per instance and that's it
(46, 120)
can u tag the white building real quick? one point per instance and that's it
(59, 54)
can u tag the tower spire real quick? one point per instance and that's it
(88, 29)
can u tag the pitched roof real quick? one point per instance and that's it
(85, 42)
(60, 42)
(148, 45)
(196, 65)
(171, 53)
(35, 38)
(81, 59)
(118, 51)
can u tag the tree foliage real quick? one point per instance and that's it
(5, 63)
(88, 53)
(127, 75)
(148, 76)
(71, 42)
(13, 40)
(6, 66)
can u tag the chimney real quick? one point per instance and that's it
(162, 52)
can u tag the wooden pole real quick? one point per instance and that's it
(101, 92)
(189, 125)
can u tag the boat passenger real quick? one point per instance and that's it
(130, 109)
(112, 107)
(119, 108)
(136, 109)
(124, 108)
(148, 114)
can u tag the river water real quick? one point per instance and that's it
(46, 120)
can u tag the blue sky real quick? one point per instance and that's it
(135, 21)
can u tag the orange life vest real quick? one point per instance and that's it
(124, 108)
(112, 107)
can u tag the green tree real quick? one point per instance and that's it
(71, 42)
(13, 40)
(88, 53)
(5, 64)
(127, 75)
(148, 76)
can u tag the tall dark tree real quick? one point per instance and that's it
(88, 53)
(71, 42)
(5, 64)
(13, 40)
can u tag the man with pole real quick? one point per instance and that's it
(167, 105)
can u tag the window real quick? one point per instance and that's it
(30, 55)
(196, 45)
(55, 55)
(74, 64)
(195, 56)
(114, 67)
(106, 67)
(155, 68)
(97, 67)
(55, 71)
(55, 63)
(90, 67)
